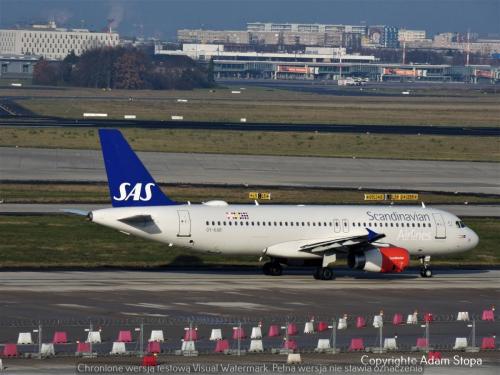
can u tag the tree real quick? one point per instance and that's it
(130, 70)
(44, 73)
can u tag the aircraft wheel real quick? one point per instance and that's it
(426, 272)
(317, 274)
(323, 273)
(267, 268)
(276, 269)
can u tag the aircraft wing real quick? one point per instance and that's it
(342, 243)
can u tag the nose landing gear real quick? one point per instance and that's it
(425, 269)
(272, 268)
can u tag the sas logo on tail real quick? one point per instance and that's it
(135, 193)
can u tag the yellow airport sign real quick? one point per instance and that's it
(391, 197)
(261, 196)
(374, 197)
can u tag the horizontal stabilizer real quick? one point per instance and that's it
(75, 211)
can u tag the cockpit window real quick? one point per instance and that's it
(459, 224)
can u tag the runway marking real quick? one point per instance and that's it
(239, 305)
(73, 305)
(149, 305)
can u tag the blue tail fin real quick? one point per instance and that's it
(130, 184)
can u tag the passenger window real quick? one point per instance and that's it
(374, 224)
(319, 223)
(269, 223)
(208, 223)
(230, 223)
(308, 224)
(413, 225)
(297, 224)
(314, 224)
(392, 225)
(291, 223)
(241, 223)
(253, 223)
(303, 224)
(218, 223)
(224, 222)
(258, 222)
(263, 223)
(281, 223)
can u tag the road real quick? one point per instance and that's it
(236, 126)
(31, 164)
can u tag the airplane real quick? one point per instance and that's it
(373, 238)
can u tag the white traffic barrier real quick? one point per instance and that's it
(390, 344)
(293, 358)
(16, 84)
(94, 337)
(130, 117)
(156, 335)
(24, 338)
(216, 334)
(89, 114)
(118, 348)
(256, 346)
(460, 343)
(243, 119)
(182, 100)
(1, 364)
(463, 316)
(177, 118)
(309, 327)
(47, 350)
(323, 345)
(342, 323)
(235, 92)
(188, 346)
(378, 321)
(412, 319)
(256, 333)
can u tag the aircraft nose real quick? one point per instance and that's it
(473, 239)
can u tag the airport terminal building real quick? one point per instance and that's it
(323, 63)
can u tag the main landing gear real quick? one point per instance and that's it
(425, 269)
(272, 268)
(323, 273)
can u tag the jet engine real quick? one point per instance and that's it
(380, 259)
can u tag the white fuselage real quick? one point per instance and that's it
(217, 227)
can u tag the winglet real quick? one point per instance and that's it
(371, 235)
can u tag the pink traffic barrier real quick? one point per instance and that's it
(397, 319)
(488, 315)
(83, 347)
(360, 322)
(322, 326)
(10, 350)
(488, 343)
(60, 338)
(191, 334)
(238, 333)
(422, 343)
(356, 344)
(221, 345)
(434, 356)
(428, 317)
(124, 336)
(290, 344)
(291, 329)
(154, 347)
(274, 331)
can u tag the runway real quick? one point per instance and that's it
(272, 127)
(25, 164)
(54, 208)
(167, 300)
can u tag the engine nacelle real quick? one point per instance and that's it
(380, 259)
